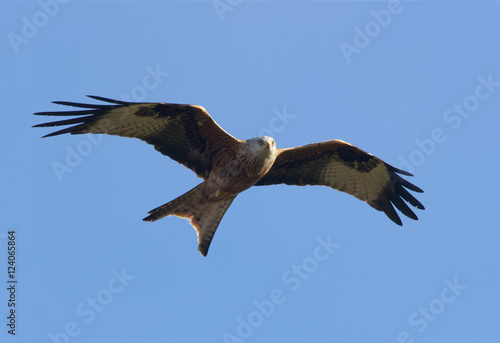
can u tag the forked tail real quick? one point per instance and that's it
(204, 215)
(180, 207)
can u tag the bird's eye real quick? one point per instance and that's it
(261, 142)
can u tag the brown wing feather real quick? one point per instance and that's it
(344, 167)
(185, 133)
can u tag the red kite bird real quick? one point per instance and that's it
(228, 166)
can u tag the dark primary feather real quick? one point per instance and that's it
(185, 133)
(344, 167)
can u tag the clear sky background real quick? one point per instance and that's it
(415, 83)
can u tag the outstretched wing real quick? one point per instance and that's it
(185, 133)
(344, 167)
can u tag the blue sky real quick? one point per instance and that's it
(415, 83)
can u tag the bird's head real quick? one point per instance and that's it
(261, 153)
(262, 146)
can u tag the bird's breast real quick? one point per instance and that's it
(238, 174)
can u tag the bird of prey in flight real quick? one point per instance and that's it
(228, 166)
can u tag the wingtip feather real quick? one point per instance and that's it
(112, 101)
(383, 204)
